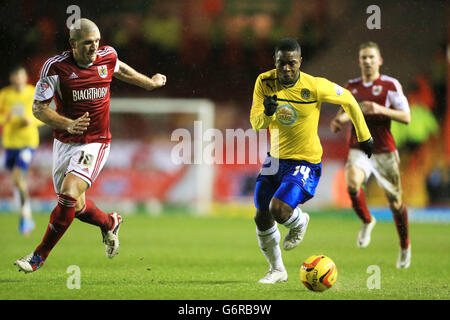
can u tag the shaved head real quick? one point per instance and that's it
(81, 27)
(84, 40)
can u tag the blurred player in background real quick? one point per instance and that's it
(288, 102)
(79, 81)
(20, 138)
(382, 100)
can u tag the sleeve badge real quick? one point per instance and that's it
(339, 89)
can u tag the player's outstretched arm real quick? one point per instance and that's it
(129, 75)
(373, 108)
(330, 92)
(46, 114)
(339, 121)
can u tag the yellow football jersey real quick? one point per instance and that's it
(15, 109)
(293, 127)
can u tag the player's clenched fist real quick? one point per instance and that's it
(270, 105)
(79, 125)
(371, 108)
(158, 80)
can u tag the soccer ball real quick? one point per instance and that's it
(318, 273)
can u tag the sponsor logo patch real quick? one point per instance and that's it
(89, 94)
(286, 114)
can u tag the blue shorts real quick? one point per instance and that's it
(294, 182)
(18, 158)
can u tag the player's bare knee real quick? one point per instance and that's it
(20, 184)
(80, 204)
(275, 209)
(279, 210)
(18, 179)
(263, 220)
(352, 189)
(69, 192)
(258, 217)
(354, 177)
(354, 183)
(73, 186)
(395, 204)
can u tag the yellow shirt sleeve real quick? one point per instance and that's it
(330, 92)
(258, 118)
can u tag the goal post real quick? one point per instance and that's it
(203, 110)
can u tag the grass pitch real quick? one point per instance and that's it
(178, 257)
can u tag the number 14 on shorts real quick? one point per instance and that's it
(304, 171)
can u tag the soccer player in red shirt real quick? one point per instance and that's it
(79, 81)
(382, 100)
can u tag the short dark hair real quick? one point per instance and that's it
(288, 44)
(16, 68)
(369, 44)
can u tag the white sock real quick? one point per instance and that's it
(296, 219)
(26, 210)
(17, 198)
(24, 205)
(269, 243)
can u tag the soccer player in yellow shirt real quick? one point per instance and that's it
(288, 102)
(20, 137)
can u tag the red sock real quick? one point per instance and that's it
(401, 223)
(93, 215)
(360, 206)
(60, 219)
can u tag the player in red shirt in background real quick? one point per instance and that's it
(79, 81)
(382, 100)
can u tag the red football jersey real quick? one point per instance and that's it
(78, 90)
(387, 92)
